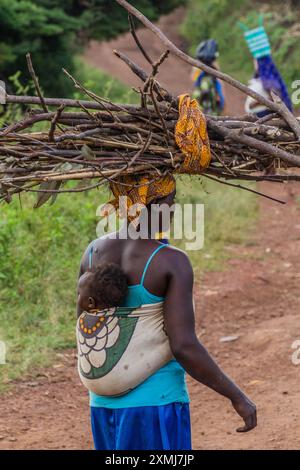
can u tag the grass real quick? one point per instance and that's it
(40, 252)
(229, 219)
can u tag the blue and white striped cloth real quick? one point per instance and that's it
(258, 42)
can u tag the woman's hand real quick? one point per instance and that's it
(247, 410)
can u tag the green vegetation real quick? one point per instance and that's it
(40, 252)
(44, 29)
(229, 219)
(54, 31)
(218, 19)
(106, 19)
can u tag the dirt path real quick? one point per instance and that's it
(173, 74)
(255, 299)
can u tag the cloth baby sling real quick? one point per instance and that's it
(119, 348)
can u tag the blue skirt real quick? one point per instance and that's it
(165, 427)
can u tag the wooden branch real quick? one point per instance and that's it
(257, 144)
(259, 193)
(36, 82)
(69, 103)
(120, 139)
(139, 72)
(287, 115)
(137, 41)
(54, 122)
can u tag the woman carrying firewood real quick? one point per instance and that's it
(138, 394)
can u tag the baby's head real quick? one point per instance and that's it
(102, 287)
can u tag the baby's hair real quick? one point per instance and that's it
(108, 284)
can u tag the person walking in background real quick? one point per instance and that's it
(267, 77)
(208, 89)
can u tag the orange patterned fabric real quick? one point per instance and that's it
(139, 191)
(191, 136)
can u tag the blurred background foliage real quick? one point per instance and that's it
(54, 31)
(218, 19)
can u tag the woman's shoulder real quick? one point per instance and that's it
(176, 255)
(99, 242)
(104, 244)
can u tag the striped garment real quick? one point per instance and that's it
(258, 42)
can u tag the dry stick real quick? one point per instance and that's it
(86, 91)
(59, 191)
(266, 118)
(287, 116)
(258, 144)
(285, 113)
(95, 97)
(83, 174)
(139, 45)
(245, 188)
(36, 81)
(164, 94)
(223, 163)
(24, 123)
(54, 121)
(246, 177)
(17, 99)
(155, 67)
(137, 41)
(96, 118)
(158, 112)
(142, 151)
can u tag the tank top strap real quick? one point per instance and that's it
(163, 245)
(91, 251)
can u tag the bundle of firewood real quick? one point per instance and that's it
(95, 141)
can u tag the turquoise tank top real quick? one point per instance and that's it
(167, 385)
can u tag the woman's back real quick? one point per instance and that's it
(166, 385)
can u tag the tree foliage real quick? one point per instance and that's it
(53, 31)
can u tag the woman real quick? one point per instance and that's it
(267, 78)
(155, 414)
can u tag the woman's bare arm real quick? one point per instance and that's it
(187, 349)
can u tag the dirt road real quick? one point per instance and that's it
(255, 299)
(173, 74)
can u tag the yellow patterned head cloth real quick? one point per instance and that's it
(191, 136)
(139, 191)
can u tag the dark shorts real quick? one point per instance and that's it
(165, 427)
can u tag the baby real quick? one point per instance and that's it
(110, 334)
(101, 288)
